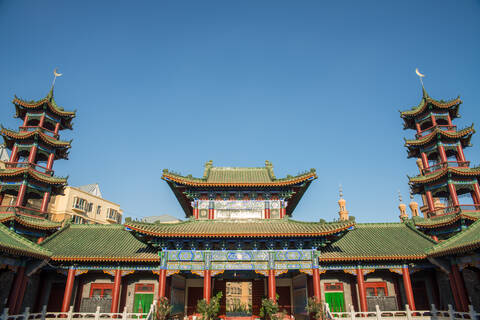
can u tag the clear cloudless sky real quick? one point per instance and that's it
(304, 84)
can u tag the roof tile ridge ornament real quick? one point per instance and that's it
(206, 172)
(269, 167)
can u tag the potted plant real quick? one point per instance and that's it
(209, 310)
(270, 310)
(162, 309)
(316, 307)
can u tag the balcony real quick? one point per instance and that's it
(34, 166)
(463, 208)
(432, 128)
(438, 166)
(34, 128)
(32, 212)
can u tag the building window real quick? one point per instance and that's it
(90, 207)
(79, 203)
(143, 288)
(101, 290)
(334, 286)
(376, 289)
(113, 214)
(99, 209)
(78, 220)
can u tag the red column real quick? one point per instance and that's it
(116, 291)
(424, 161)
(462, 293)
(207, 282)
(57, 127)
(50, 161)
(46, 198)
(21, 294)
(453, 194)
(42, 120)
(443, 155)
(15, 289)
(25, 120)
(449, 119)
(476, 191)
(21, 194)
(418, 128)
(361, 290)
(162, 283)
(431, 206)
(453, 286)
(13, 156)
(434, 121)
(272, 287)
(33, 153)
(317, 289)
(67, 297)
(460, 154)
(407, 283)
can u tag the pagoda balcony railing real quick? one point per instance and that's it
(442, 165)
(444, 211)
(44, 130)
(444, 127)
(32, 212)
(34, 166)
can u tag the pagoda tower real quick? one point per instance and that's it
(447, 183)
(28, 180)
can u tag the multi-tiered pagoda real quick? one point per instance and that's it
(447, 183)
(28, 180)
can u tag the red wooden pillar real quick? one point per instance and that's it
(42, 120)
(460, 154)
(443, 155)
(21, 294)
(40, 240)
(453, 286)
(207, 282)
(50, 161)
(317, 289)
(434, 121)
(449, 119)
(162, 283)
(361, 290)
(33, 154)
(21, 194)
(272, 287)
(57, 127)
(25, 120)
(407, 283)
(67, 296)
(15, 289)
(13, 156)
(453, 194)
(462, 293)
(418, 128)
(431, 206)
(476, 192)
(46, 198)
(211, 210)
(116, 291)
(424, 161)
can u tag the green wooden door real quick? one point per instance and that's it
(335, 301)
(142, 302)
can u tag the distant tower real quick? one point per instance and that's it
(445, 173)
(403, 208)
(28, 177)
(343, 213)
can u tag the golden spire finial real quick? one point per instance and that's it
(343, 213)
(413, 205)
(402, 207)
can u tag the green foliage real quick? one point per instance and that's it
(128, 219)
(210, 310)
(162, 309)
(351, 218)
(270, 310)
(316, 307)
(323, 221)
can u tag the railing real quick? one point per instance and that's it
(70, 315)
(407, 314)
(33, 212)
(442, 165)
(438, 212)
(34, 166)
(46, 131)
(443, 127)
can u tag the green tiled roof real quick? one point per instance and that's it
(426, 100)
(13, 172)
(28, 221)
(14, 135)
(97, 243)
(240, 228)
(12, 243)
(464, 241)
(235, 175)
(464, 134)
(460, 171)
(378, 241)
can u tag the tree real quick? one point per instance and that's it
(210, 310)
(316, 307)
(162, 309)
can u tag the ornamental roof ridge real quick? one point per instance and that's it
(463, 171)
(425, 139)
(49, 100)
(426, 100)
(466, 239)
(28, 134)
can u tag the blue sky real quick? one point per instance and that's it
(304, 84)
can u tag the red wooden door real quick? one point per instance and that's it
(420, 295)
(56, 297)
(284, 301)
(194, 294)
(221, 286)
(258, 292)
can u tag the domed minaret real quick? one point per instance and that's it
(343, 213)
(403, 208)
(413, 206)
